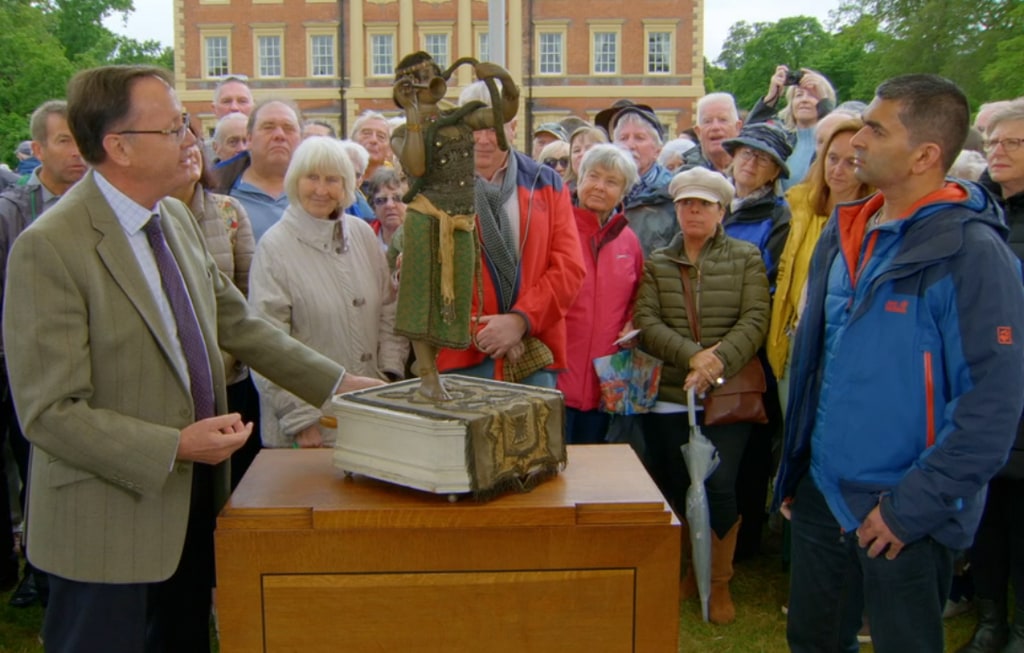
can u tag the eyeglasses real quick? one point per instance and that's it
(555, 163)
(382, 200)
(746, 154)
(177, 132)
(1009, 144)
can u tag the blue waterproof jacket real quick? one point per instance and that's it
(902, 363)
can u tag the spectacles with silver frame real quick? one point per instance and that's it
(1009, 144)
(177, 132)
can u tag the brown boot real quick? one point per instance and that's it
(720, 608)
(688, 583)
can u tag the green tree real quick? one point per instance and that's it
(43, 43)
(1001, 72)
(953, 38)
(33, 69)
(850, 59)
(79, 27)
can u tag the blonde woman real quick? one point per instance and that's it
(809, 97)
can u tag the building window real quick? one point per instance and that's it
(321, 55)
(552, 53)
(483, 48)
(216, 50)
(436, 45)
(659, 53)
(606, 53)
(269, 55)
(382, 55)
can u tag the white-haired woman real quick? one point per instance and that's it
(320, 275)
(997, 555)
(809, 97)
(603, 309)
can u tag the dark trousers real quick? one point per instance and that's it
(664, 433)
(586, 426)
(998, 552)
(245, 400)
(756, 469)
(10, 431)
(833, 582)
(172, 616)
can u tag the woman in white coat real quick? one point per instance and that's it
(320, 275)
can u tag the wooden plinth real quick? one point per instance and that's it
(309, 560)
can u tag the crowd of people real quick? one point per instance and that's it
(174, 302)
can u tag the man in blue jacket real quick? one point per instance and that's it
(900, 410)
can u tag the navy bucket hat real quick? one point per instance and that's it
(766, 138)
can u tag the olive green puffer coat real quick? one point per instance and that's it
(732, 301)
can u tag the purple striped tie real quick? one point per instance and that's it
(192, 343)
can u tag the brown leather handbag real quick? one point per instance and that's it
(740, 398)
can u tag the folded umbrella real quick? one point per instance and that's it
(701, 461)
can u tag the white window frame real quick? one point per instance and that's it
(603, 27)
(551, 28)
(372, 32)
(314, 33)
(258, 35)
(442, 30)
(220, 33)
(481, 38)
(670, 27)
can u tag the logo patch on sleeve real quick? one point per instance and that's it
(1004, 335)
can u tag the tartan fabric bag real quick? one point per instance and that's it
(536, 357)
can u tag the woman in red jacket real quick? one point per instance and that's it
(603, 309)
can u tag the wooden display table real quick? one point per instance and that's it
(309, 560)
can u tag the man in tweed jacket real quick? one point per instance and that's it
(125, 481)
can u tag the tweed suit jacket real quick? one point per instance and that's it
(98, 393)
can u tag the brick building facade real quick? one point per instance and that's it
(571, 58)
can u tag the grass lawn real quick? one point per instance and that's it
(759, 590)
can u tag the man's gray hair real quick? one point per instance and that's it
(244, 81)
(715, 98)
(478, 91)
(632, 118)
(218, 131)
(366, 117)
(37, 124)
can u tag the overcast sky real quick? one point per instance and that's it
(152, 19)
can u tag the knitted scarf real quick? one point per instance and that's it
(496, 232)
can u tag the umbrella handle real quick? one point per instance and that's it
(691, 408)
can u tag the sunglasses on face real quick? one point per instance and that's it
(557, 163)
(382, 200)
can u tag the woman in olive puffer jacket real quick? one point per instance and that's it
(730, 290)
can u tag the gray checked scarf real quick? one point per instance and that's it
(495, 230)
